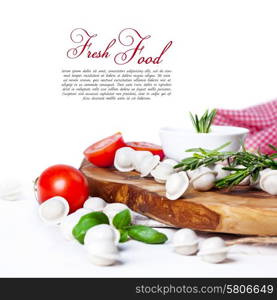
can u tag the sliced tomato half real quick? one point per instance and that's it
(102, 153)
(144, 146)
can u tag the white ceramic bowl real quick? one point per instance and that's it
(175, 141)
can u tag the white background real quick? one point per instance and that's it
(224, 54)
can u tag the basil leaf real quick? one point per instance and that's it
(86, 222)
(123, 236)
(122, 219)
(146, 234)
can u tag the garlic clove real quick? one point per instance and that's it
(196, 172)
(95, 204)
(212, 243)
(263, 172)
(185, 241)
(114, 208)
(123, 160)
(148, 164)
(190, 173)
(102, 253)
(138, 157)
(10, 190)
(186, 249)
(268, 182)
(176, 185)
(256, 184)
(220, 173)
(184, 236)
(68, 223)
(161, 172)
(170, 162)
(102, 232)
(53, 210)
(11, 197)
(203, 180)
(213, 250)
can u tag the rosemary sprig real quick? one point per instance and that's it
(203, 124)
(253, 163)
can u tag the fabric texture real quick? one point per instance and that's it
(261, 120)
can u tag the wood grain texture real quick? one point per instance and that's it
(242, 211)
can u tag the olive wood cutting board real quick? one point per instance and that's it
(240, 211)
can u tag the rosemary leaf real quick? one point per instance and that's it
(252, 163)
(272, 147)
(203, 124)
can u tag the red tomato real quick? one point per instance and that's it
(144, 146)
(64, 181)
(102, 153)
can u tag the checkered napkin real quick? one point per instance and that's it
(261, 120)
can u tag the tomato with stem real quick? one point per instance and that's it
(64, 181)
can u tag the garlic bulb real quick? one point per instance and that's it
(148, 164)
(203, 179)
(176, 185)
(104, 253)
(114, 208)
(123, 160)
(213, 250)
(138, 157)
(10, 190)
(94, 204)
(53, 210)
(220, 173)
(100, 233)
(185, 241)
(68, 223)
(162, 171)
(268, 182)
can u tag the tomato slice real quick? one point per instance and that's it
(102, 153)
(144, 146)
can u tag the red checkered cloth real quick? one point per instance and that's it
(261, 120)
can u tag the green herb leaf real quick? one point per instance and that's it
(272, 147)
(86, 222)
(123, 235)
(252, 163)
(193, 150)
(255, 175)
(221, 147)
(203, 124)
(146, 234)
(122, 219)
